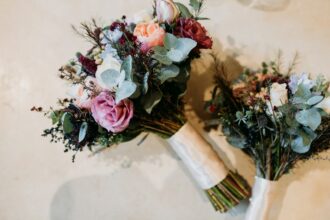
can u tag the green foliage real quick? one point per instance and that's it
(302, 142)
(174, 50)
(151, 99)
(67, 123)
(168, 72)
(125, 90)
(314, 100)
(127, 67)
(82, 131)
(184, 11)
(309, 117)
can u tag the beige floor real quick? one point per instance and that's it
(37, 181)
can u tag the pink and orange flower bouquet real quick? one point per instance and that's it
(133, 80)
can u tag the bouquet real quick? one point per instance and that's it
(131, 81)
(277, 118)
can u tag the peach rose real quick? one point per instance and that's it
(150, 35)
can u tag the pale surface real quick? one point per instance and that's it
(147, 182)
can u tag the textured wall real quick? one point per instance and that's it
(140, 182)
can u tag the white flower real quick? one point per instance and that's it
(296, 80)
(166, 11)
(108, 74)
(81, 95)
(142, 16)
(324, 105)
(278, 94)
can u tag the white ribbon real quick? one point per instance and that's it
(198, 155)
(260, 202)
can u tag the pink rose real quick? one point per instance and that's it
(150, 35)
(166, 11)
(113, 117)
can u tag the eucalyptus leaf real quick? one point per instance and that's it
(175, 55)
(111, 78)
(145, 85)
(168, 72)
(303, 91)
(195, 4)
(185, 45)
(184, 10)
(67, 123)
(298, 146)
(170, 41)
(151, 99)
(310, 117)
(236, 141)
(302, 142)
(160, 54)
(83, 131)
(127, 67)
(314, 100)
(125, 90)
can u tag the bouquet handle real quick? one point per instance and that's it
(198, 155)
(260, 202)
(224, 188)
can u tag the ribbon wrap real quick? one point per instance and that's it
(260, 202)
(198, 155)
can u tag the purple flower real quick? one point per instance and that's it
(113, 117)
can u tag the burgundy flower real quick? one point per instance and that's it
(190, 28)
(88, 64)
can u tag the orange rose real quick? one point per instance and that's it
(150, 35)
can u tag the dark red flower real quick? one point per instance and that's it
(212, 108)
(117, 24)
(190, 28)
(88, 64)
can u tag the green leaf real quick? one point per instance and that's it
(175, 55)
(111, 78)
(309, 117)
(301, 144)
(314, 100)
(195, 4)
(67, 123)
(151, 99)
(185, 45)
(168, 72)
(83, 131)
(236, 141)
(127, 67)
(303, 91)
(55, 117)
(201, 18)
(184, 10)
(125, 90)
(160, 54)
(170, 41)
(145, 86)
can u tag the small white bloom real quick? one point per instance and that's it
(296, 80)
(81, 95)
(278, 94)
(324, 105)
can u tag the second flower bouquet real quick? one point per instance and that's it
(133, 80)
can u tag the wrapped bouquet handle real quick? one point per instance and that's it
(260, 202)
(224, 188)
